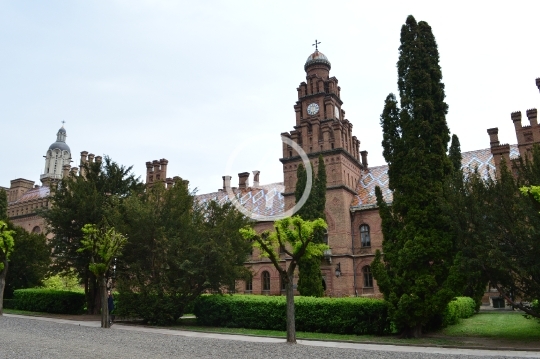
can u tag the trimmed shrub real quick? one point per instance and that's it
(459, 308)
(9, 303)
(49, 301)
(324, 315)
(151, 308)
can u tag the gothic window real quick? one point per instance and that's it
(265, 281)
(364, 236)
(249, 285)
(368, 277)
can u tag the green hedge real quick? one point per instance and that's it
(9, 303)
(48, 301)
(325, 315)
(459, 308)
(153, 309)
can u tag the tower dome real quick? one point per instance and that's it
(58, 155)
(317, 58)
(60, 141)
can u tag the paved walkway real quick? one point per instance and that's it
(375, 349)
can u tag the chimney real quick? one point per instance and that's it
(531, 114)
(84, 160)
(493, 136)
(169, 182)
(74, 171)
(364, 159)
(538, 83)
(163, 162)
(243, 180)
(65, 170)
(256, 178)
(91, 157)
(157, 170)
(98, 159)
(516, 118)
(226, 182)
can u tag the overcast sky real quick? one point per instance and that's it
(197, 81)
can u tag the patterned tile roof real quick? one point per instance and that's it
(34, 193)
(378, 176)
(266, 200)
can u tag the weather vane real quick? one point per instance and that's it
(316, 45)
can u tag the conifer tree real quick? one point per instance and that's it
(418, 246)
(310, 277)
(3, 205)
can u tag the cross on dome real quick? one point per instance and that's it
(316, 45)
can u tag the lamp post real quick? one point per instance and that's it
(338, 270)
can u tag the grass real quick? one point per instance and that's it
(487, 329)
(506, 325)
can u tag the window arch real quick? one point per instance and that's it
(365, 238)
(368, 277)
(36, 229)
(265, 281)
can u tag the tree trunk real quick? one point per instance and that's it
(104, 303)
(291, 327)
(3, 274)
(412, 332)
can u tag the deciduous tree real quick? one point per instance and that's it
(6, 248)
(103, 245)
(297, 238)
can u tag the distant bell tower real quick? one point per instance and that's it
(58, 158)
(322, 129)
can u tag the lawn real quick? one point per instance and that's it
(486, 329)
(506, 325)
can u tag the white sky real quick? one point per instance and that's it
(191, 81)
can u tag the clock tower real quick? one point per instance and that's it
(322, 129)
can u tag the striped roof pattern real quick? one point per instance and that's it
(266, 200)
(378, 176)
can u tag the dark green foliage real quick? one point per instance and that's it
(310, 277)
(49, 301)
(3, 205)
(95, 198)
(499, 233)
(326, 315)
(455, 153)
(413, 274)
(458, 308)
(29, 262)
(176, 251)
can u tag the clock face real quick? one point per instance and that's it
(336, 112)
(312, 108)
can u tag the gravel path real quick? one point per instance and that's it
(31, 338)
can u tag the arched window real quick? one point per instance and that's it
(265, 281)
(368, 277)
(249, 286)
(36, 229)
(364, 235)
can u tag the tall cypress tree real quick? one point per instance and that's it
(418, 246)
(3, 205)
(310, 277)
